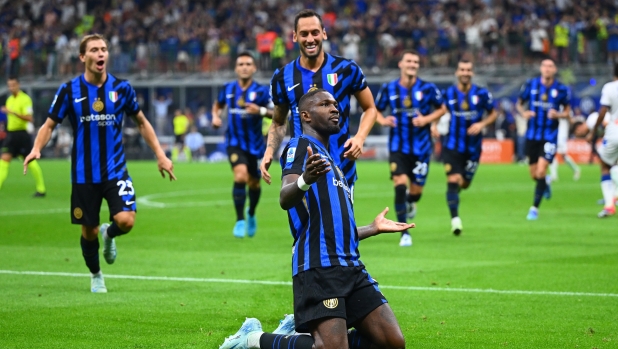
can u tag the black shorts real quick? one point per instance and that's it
(349, 293)
(180, 139)
(86, 200)
(464, 164)
(237, 156)
(540, 149)
(415, 167)
(17, 143)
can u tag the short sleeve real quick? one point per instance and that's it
(131, 107)
(524, 92)
(605, 97)
(293, 157)
(488, 100)
(58, 109)
(264, 100)
(436, 96)
(359, 81)
(221, 100)
(278, 94)
(27, 107)
(382, 98)
(566, 96)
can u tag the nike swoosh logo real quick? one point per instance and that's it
(129, 202)
(291, 88)
(79, 100)
(394, 97)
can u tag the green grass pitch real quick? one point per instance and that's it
(184, 230)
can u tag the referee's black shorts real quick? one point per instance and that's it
(17, 143)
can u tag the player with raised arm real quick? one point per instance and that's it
(548, 101)
(462, 146)
(332, 289)
(95, 103)
(248, 104)
(608, 149)
(414, 104)
(343, 78)
(18, 108)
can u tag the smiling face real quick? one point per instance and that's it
(322, 114)
(409, 64)
(95, 56)
(309, 34)
(464, 73)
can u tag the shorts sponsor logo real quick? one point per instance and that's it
(331, 303)
(77, 213)
(234, 157)
(447, 168)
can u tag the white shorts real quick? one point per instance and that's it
(563, 137)
(608, 151)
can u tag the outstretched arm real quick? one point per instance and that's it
(382, 225)
(40, 141)
(276, 133)
(146, 130)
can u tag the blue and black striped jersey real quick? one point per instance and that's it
(465, 109)
(322, 224)
(339, 76)
(96, 114)
(405, 104)
(541, 99)
(244, 130)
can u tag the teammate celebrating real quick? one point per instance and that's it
(462, 146)
(95, 103)
(247, 103)
(316, 69)
(608, 150)
(332, 289)
(545, 97)
(415, 104)
(18, 142)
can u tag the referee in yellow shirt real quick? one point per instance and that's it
(181, 128)
(18, 142)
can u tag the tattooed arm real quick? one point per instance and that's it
(276, 133)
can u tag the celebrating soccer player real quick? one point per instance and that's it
(248, 104)
(608, 150)
(18, 142)
(332, 289)
(545, 96)
(462, 146)
(95, 103)
(317, 69)
(414, 104)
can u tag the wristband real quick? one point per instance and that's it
(301, 184)
(263, 111)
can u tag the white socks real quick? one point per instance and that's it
(607, 187)
(253, 340)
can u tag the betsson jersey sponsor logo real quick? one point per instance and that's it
(98, 117)
(338, 183)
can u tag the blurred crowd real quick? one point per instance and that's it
(42, 36)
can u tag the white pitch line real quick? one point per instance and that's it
(288, 283)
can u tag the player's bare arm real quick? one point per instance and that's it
(564, 114)
(216, 114)
(389, 121)
(381, 224)
(276, 133)
(146, 130)
(476, 128)
(355, 144)
(526, 114)
(255, 109)
(42, 138)
(291, 192)
(423, 120)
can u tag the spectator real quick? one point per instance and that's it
(561, 40)
(194, 141)
(161, 106)
(350, 42)
(538, 36)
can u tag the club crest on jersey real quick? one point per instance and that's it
(98, 105)
(475, 99)
(240, 102)
(418, 95)
(313, 87)
(332, 79)
(554, 93)
(407, 102)
(252, 96)
(464, 105)
(113, 96)
(544, 97)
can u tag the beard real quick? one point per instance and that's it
(317, 52)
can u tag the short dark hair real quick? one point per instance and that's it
(306, 13)
(245, 54)
(13, 77)
(547, 58)
(304, 100)
(409, 52)
(574, 127)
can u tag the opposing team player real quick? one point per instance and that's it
(317, 69)
(561, 149)
(545, 96)
(414, 104)
(18, 142)
(608, 150)
(95, 103)
(248, 104)
(462, 146)
(332, 289)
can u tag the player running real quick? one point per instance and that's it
(414, 105)
(561, 149)
(462, 146)
(18, 142)
(95, 103)
(545, 96)
(343, 78)
(332, 289)
(608, 149)
(247, 103)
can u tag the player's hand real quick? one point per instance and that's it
(354, 148)
(166, 165)
(552, 114)
(216, 121)
(4, 109)
(265, 165)
(475, 129)
(434, 131)
(389, 121)
(34, 155)
(252, 108)
(315, 167)
(528, 114)
(420, 121)
(385, 225)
